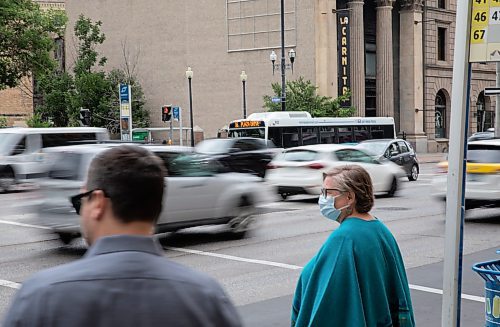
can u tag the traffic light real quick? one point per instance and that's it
(166, 113)
(85, 119)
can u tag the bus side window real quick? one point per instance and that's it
(345, 135)
(327, 135)
(290, 137)
(309, 135)
(361, 133)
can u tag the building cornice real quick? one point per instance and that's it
(411, 5)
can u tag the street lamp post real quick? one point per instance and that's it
(189, 76)
(243, 78)
(283, 67)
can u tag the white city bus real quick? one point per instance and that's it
(294, 128)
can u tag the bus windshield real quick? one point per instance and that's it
(248, 132)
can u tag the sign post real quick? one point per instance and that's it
(125, 112)
(455, 193)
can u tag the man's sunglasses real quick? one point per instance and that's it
(76, 200)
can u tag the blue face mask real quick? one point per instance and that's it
(327, 207)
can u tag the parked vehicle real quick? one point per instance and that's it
(483, 180)
(300, 170)
(396, 150)
(243, 155)
(196, 193)
(22, 149)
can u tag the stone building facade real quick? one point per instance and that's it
(400, 57)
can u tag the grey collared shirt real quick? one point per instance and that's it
(121, 281)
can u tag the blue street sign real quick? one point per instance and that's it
(276, 100)
(124, 94)
(175, 113)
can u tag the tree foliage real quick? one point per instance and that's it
(3, 122)
(26, 40)
(301, 95)
(37, 121)
(89, 86)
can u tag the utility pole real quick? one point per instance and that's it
(283, 67)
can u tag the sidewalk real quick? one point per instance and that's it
(425, 157)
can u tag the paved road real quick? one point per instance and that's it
(260, 272)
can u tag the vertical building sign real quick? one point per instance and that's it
(125, 112)
(344, 58)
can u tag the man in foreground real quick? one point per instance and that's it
(123, 279)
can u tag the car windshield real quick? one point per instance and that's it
(374, 147)
(299, 155)
(215, 146)
(483, 153)
(7, 142)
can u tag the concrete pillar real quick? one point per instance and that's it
(357, 56)
(411, 77)
(326, 47)
(385, 78)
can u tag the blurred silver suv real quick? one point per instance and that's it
(197, 194)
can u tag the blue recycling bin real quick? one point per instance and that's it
(490, 272)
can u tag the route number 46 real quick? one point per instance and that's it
(480, 17)
(478, 35)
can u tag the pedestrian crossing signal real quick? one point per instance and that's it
(166, 113)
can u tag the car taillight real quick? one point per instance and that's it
(272, 166)
(315, 166)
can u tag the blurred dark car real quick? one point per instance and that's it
(242, 155)
(396, 150)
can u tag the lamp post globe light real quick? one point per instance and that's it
(243, 78)
(189, 76)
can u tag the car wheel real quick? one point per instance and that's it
(7, 179)
(394, 187)
(243, 220)
(66, 238)
(413, 173)
(284, 196)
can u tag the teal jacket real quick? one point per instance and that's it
(356, 279)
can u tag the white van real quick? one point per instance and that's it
(21, 149)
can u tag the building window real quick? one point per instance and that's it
(441, 46)
(440, 115)
(256, 24)
(485, 116)
(442, 4)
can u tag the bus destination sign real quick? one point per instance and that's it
(247, 124)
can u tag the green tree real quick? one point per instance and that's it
(301, 95)
(37, 121)
(3, 122)
(26, 40)
(89, 87)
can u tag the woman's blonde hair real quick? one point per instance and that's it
(355, 179)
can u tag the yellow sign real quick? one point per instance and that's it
(485, 31)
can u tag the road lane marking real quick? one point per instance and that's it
(230, 257)
(438, 291)
(10, 284)
(23, 225)
(294, 267)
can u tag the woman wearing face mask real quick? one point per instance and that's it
(358, 277)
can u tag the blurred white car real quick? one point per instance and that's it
(482, 186)
(196, 193)
(300, 170)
